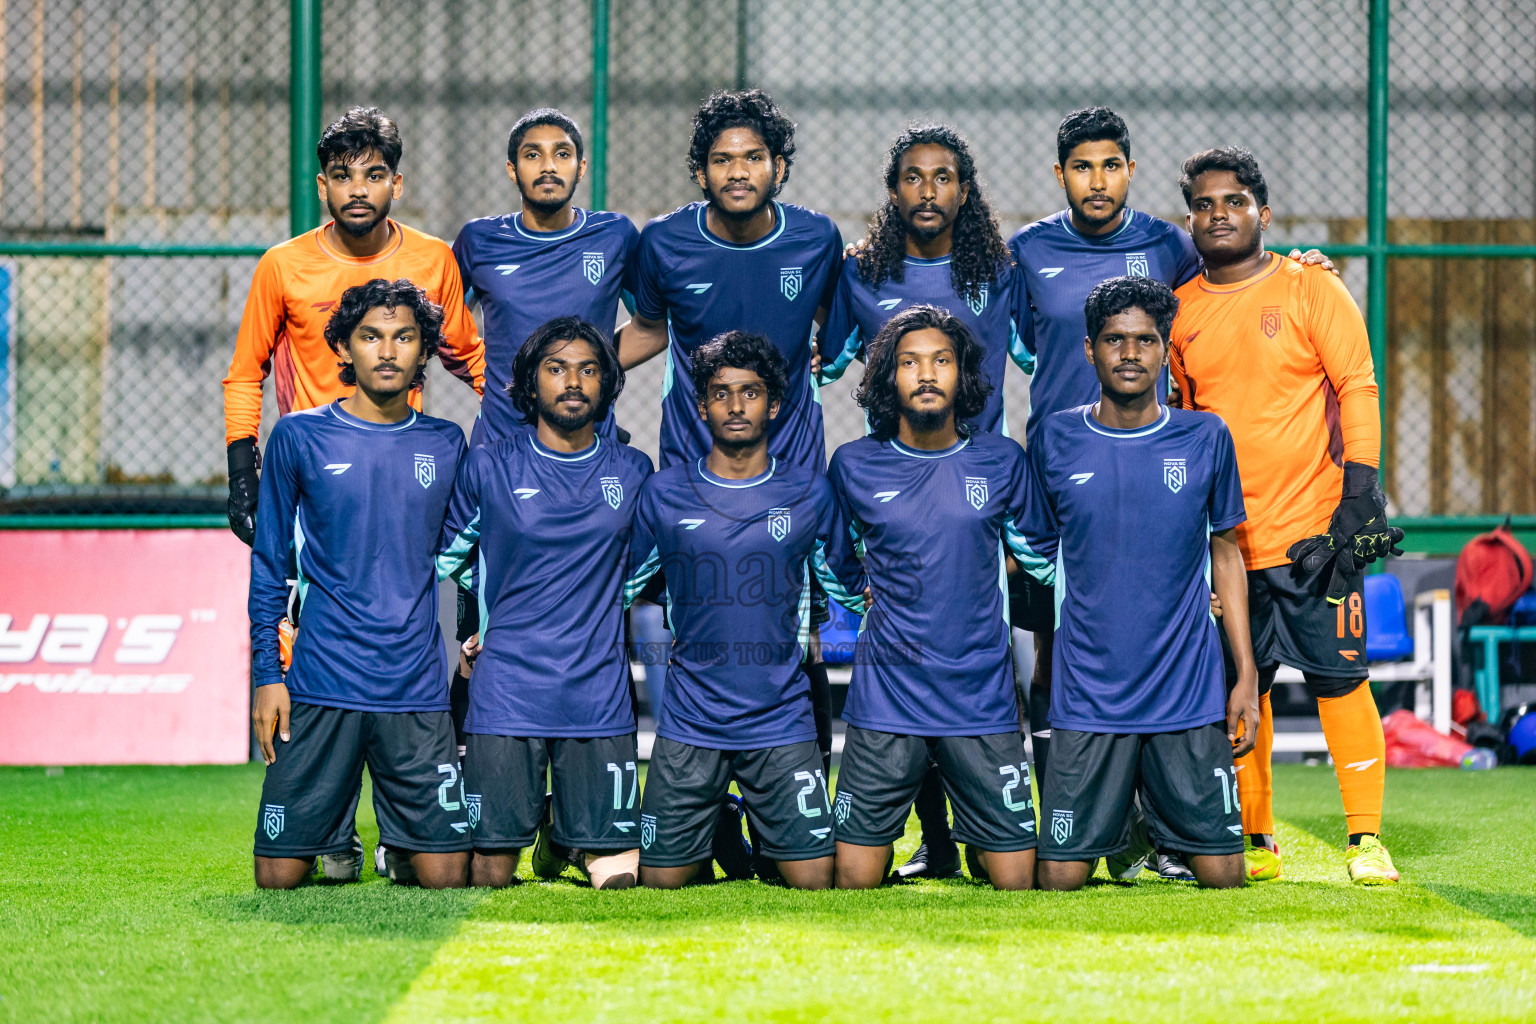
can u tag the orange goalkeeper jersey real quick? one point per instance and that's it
(297, 284)
(1284, 359)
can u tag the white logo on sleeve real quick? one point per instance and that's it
(884, 496)
(592, 266)
(524, 493)
(888, 304)
(976, 491)
(1051, 271)
(426, 470)
(690, 524)
(338, 468)
(507, 268)
(699, 289)
(1080, 478)
(1173, 474)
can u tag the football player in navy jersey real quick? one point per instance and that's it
(738, 535)
(1138, 707)
(933, 506)
(549, 259)
(739, 260)
(935, 241)
(355, 493)
(547, 516)
(1061, 258)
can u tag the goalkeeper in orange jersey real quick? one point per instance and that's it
(1279, 351)
(298, 282)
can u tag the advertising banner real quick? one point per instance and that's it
(124, 647)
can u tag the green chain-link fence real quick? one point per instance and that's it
(146, 126)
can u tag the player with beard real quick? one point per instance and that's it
(934, 242)
(737, 534)
(550, 259)
(933, 505)
(549, 511)
(1061, 258)
(1280, 352)
(739, 260)
(356, 492)
(299, 282)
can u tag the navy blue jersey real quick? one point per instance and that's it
(1128, 517)
(525, 278)
(1060, 267)
(737, 556)
(932, 656)
(357, 506)
(998, 318)
(703, 286)
(552, 533)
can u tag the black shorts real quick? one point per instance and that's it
(1031, 604)
(1187, 784)
(1292, 622)
(783, 788)
(596, 783)
(985, 777)
(309, 797)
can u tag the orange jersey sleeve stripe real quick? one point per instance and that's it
(1284, 359)
(296, 286)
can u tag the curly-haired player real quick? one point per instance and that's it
(354, 495)
(934, 242)
(933, 506)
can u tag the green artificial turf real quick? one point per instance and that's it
(125, 894)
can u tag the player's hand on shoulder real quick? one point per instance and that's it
(468, 652)
(856, 248)
(269, 714)
(1314, 258)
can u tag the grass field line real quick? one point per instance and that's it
(1311, 943)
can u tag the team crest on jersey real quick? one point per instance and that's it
(272, 820)
(979, 303)
(1173, 474)
(472, 804)
(426, 470)
(976, 491)
(843, 807)
(613, 491)
(1136, 264)
(1269, 321)
(778, 523)
(647, 830)
(592, 266)
(1061, 826)
(790, 282)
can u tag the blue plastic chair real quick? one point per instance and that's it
(838, 636)
(1386, 619)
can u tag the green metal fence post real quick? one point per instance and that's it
(599, 158)
(1376, 201)
(303, 114)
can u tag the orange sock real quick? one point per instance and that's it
(1254, 789)
(1352, 726)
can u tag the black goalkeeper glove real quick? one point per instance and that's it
(1358, 534)
(244, 480)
